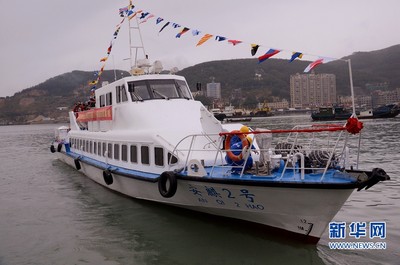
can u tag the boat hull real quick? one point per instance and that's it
(285, 208)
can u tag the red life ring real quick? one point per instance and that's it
(227, 146)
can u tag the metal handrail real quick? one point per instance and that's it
(309, 144)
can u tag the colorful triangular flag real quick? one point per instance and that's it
(254, 48)
(268, 54)
(183, 31)
(220, 38)
(159, 20)
(205, 38)
(314, 64)
(163, 27)
(147, 18)
(195, 32)
(143, 15)
(234, 42)
(296, 55)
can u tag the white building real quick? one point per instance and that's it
(214, 90)
(312, 90)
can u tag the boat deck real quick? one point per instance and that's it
(225, 174)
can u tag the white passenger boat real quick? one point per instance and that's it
(149, 139)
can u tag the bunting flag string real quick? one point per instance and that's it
(295, 55)
(124, 12)
(129, 12)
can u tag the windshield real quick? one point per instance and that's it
(158, 89)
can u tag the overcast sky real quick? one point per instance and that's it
(44, 38)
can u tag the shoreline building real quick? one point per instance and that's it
(312, 90)
(214, 90)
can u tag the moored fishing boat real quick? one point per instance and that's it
(340, 113)
(146, 137)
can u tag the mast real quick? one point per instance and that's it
(135, 45)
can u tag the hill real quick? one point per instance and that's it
(367, 67)
(258, 82)
(48, 97)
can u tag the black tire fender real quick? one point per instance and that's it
(59, 146)
(108, 178)
(77, 164)
(167, 177)
(52, 149)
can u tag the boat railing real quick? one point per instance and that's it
(303, 149)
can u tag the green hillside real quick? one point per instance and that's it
(45, 98)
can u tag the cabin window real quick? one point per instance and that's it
(94, 148)
(159, 156)
(124, 152)
(164, 89)
(109, 150)
(139, 91)
(144, 153)
(118, 94)
(134, 154)
(183, 89)
(102, 101)
(104, 149)
(99, 148)
(172, 159)
(121, 94)
(116, 151)
(124, 97)
(109, 99)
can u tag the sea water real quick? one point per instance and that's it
(52, 214)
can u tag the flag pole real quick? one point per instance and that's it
(352, 88)
(354, 110)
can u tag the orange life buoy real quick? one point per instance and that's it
(227, 146)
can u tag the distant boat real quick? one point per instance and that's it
(340, 113)
(237, 119)
(386, 111)
(331, 113)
